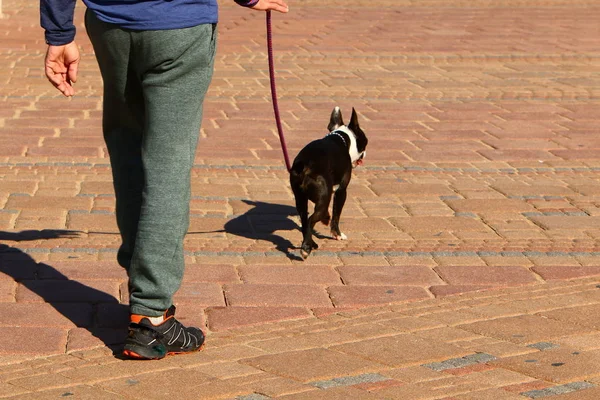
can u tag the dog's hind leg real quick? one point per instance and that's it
(339, 199)
(302, 208)
(321, 213)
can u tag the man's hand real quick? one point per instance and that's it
(275, 5)
(61, 67)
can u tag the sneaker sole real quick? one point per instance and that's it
(134, 355)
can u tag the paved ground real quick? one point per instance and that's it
(482, 174)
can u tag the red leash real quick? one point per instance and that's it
(274, 92)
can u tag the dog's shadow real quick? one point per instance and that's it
(77, 302)
(262, 221)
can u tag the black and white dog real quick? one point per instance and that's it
(322, 168)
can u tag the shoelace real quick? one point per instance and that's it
(176, 333)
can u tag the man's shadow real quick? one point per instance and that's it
(77, 302)
(262, 221)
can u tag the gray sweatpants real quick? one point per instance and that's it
(154, 87)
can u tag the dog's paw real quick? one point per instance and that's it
(307, 248)
(341, 236)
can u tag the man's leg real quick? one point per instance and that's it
(155, 82)
(122, 125)
(175, 68)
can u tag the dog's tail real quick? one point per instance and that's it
(299, 173)
(297, 168)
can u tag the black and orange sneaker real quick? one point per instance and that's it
(147, 341)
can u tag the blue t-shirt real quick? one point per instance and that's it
(155, 14)
(57, 15)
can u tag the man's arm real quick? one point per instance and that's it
(56, 17)
(62, 56)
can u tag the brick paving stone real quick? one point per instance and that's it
(489, 394)
(103, 223)
(48, 202)
(276, 386)
(493, 206)
(352, 296)
(499, 261)
(200, 294)
(169, 382)
(68, 291)
(459, 260)
(313, 365)
(557, 365)
(485, 276)
(437, 224)
(454, 317)
(401, 350)
(519, 190)
(65, 316)
(565, 272)
(6, 390)
(566, 222)
(583, 341)
(274, 274)
(113, 315)
(410, 261)
(432, 389)
(387, 275)
(498, 377)
(451, 335)
(340, 393)
(76, 270)
(413, 374)
(227, 370)
(33, 341)
(586, 394)
(223, 318)
(97, 338)
(406, 190)
(276, 295)
(195, 272)
(497, 348)
(306, 341)
(41, 382)
(8, 289)
(582, 315)
(524, 329)
(81, 391)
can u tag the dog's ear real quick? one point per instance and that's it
(353, 125)
(336, 119)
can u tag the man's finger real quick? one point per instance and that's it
(66, 89)
(280, 6)
(55, 78)
(72, 73)
(60, 82)
(275, 5)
